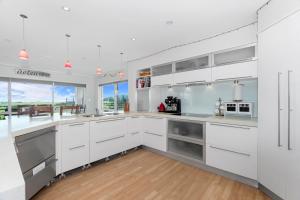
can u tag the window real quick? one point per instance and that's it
(67, 97)
(39, 98)
(122, 95)
(24, 95)
(3, 98)
(108, 100)
(114, 96)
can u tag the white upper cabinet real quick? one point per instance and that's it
(162, 75)
(192, 70)
(243, 70)
(238, 63)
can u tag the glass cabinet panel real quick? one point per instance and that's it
(234, 56)
(192, 130)
(192, 64)
(162, 69)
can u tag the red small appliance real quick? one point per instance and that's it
(161, 108)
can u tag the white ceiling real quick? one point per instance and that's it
(111, 23)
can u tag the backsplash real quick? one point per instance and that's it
(201, 99)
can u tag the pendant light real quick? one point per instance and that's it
(98, 69)
(23, 55)
(121, 74)
(68, 64)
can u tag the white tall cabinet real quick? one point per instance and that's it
(279, 107)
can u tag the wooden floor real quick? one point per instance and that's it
(145, 175)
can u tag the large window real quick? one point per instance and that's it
(68, 97)
(3, 97)
(114, 96)
(24, 95)
(38, 98)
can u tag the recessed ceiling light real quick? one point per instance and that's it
(169, 22)
(66, 8)
(133, 39)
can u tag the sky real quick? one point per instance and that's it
(108, 90)
(33, 92)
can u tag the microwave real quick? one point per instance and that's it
(239, 108)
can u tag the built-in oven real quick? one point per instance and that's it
(36, 154)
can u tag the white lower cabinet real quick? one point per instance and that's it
(232, 148)
(107, 137)
(134, 133)
(74, 145)
(155, 133)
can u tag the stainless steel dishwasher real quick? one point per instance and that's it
(36, 154)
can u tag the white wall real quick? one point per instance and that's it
(243, 36)
(275, 11)
(63, 76)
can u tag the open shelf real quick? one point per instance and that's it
(188, 130)
(186, 149)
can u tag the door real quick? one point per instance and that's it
(291, 30)
(272, 112)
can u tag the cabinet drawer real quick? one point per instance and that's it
(240, 138)
(133, 124)
(108, 147)
(133, 139)
(155, 141)
(106, 129)
(75, 156)
(155, 125)
(75, 134)
(233, 161)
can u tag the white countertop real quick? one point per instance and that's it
(15, 125)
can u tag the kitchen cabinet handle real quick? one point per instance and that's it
(231, 151)
(189, 82)
(289, 110)
(77, 147)
(234, 78)
(153, 133)
(109, 120)
(77, 124)
(279, 111)
(134, 133)
(101, 141)
(231, 126)
(152, 117)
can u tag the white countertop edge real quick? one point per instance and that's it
(212, 119)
